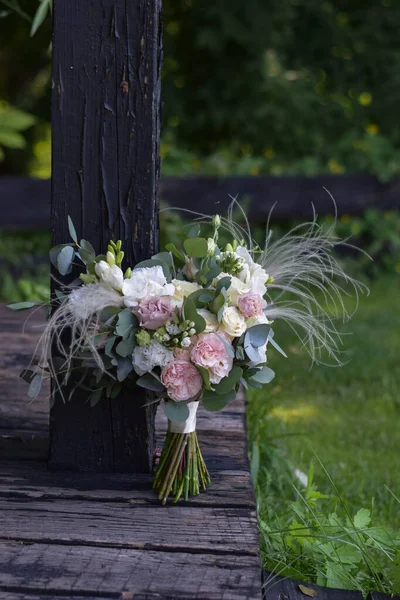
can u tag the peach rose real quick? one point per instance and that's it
(182, 380)
(154, 311)
(209, 351)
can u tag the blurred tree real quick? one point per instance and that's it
(284, 86)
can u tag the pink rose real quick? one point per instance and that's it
(182, 380)
(154, 311)
(251, 305)
(209, 351)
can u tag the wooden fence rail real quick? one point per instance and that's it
(25, 202)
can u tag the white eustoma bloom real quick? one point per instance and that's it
(236, 289)
(182, 289)
(145, 358)
(210, 319)
(252, 274)
(144, 282)
(112, 275)
(233, 322)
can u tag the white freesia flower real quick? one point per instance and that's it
(210, 319)
(145, 358)
(112, 275)
(146, 281)
(233, 321)
(182, 289)
(236, 289)
(252, 274)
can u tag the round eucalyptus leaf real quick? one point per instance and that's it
(176, 411)
(64, 260)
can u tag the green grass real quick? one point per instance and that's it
(348, 416)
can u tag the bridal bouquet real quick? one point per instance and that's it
(191, 324)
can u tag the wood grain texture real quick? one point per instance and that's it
(25, 202)
(280, 588)
(105, 170)
(28, 479)
(173, 528)
(107, 572)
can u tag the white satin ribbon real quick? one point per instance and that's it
(187, 426)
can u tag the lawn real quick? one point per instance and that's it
(348, 416)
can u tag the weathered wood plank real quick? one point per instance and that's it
(30, 479)
(108, 572)
(280, 588)
(380, 596)
(172, 528)
(30, 205)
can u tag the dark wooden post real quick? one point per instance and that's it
(106, 123)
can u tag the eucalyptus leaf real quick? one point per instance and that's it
(117, 387)
(72, 231)
(25, 305)
(227, 383)
(174, 250)
(124, 368)
(109, 345)
(176, 411)
(254, 384)
(263, 375)
(40, 15)
(205, 375)
(251, 351)
(214, 402)
(258, 334)
(149, 382)
(55, 251)
(64, 260)
(126, 346)
(35, 386)
(224, 282)
(96, 396)
(194, 231)
(196, 247)
(275, 344)
(126, 322)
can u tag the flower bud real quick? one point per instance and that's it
(111, 248)
(185, 343)
(120, 257)
(118, 245)
(110, 258)
(192, 324)
(228, 248)
(234, 245)
(176, 341)
(216, 221)
(192, 331)
(128, 273)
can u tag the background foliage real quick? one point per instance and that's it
(285, 86)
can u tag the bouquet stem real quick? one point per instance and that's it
(181, 469)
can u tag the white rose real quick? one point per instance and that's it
(236, 289)
(252, 274)
(112, 275)
(146, 281)
(233, 321)
(210, 319)
(182, 289)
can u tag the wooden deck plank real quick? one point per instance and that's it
(173, 527)
(85, 535)
(33, 480)
(279, 588)
(108, 572)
